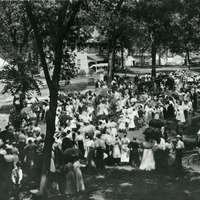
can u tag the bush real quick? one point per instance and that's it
(82, 73)
(91, 72)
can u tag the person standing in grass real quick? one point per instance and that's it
(17, 176)
(117, 150)
(148, 162)
(100, 147)
(179, 152)
(78, 176)
(134, 154)
(70, 184)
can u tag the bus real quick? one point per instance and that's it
(98, 68)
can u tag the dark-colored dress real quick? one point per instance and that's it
(134, 155)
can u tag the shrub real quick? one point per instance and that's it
(91, 72)
(82, 73)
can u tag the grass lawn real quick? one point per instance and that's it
(127, 184)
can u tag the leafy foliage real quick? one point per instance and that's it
(155, 18)
(19, 79)
(16, 40)
(185, 28)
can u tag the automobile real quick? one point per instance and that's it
(100, 67)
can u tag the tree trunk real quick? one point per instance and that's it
(63, 29)
(50, 130)
(111, 61)
(188, 58)
(122, 57)
(159, 58)
(153, 55)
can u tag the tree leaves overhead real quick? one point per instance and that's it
(17, 38)
(15, 28)
(185, 28)
(18, 78)
(16, 44)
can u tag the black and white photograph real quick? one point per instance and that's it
(99, 99)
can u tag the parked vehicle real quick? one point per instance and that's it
(98, 68)
(194, 62)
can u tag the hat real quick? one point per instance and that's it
(113, 124)
(178, 136)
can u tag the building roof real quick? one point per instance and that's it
(96, 58)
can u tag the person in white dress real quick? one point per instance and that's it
(148, 113)
(125, 150)
(122, 124)
(157, 112)
(180, 116)
(117, 150)
(148, 162)
(131, 116)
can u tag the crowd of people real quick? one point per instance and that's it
(101, 126)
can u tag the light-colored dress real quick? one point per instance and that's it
(122, 124)
(157, 113)
(131, 116)
(148, 114)
(180, 114)
(89, 153)
(125, 150)
(116, 148)
(148, 162)
(70, 184)
(79, 177)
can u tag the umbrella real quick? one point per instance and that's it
(64, 117)
(102, 117)
(156, 123)
(71, 153)
(67, 117)
(176, 96)
(152, 133)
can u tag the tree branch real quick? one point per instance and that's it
(59, 42)
(12, 31)
(26, 34)
(63, 30)
(70, 21)
(31, 17)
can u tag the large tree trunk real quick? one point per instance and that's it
(111, 61)
(122, 57)
(188, 58)
(153, 55)
(50, 130)
(63, 30)
(111, 64)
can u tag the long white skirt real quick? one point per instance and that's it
(125, 154)
(148, 162)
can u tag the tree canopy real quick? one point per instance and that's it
(49, 31)
(184, 37)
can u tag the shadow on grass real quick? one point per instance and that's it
(118, 184)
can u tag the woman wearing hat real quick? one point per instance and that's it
(124, 149)
(179, 152)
